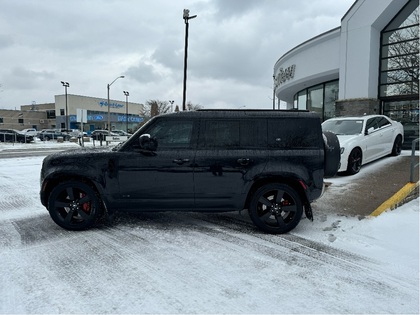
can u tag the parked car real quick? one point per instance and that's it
(53, 134)
(269, 162)
(30, 132)
(364, 139)
(12, 135)
(101, 134)
(72, 132)
(121, 133)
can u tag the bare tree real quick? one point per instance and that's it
(153, 108)
(193, 107)
(156, 107)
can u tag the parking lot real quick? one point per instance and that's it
(203, 263)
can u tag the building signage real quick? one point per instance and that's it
(285, 74)
(112, 105)
(120, 118)
(95, 117)
(134, 119)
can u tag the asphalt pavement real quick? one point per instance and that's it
(367, 193)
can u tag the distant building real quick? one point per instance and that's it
(55, 115)
(368, 65)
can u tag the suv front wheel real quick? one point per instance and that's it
(74, 205)
(276, 208)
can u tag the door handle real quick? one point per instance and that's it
(243, 161)
(181, 161)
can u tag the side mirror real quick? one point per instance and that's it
(148, 143)
(369, 131)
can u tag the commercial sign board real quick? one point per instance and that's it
(285, 74)
(112, 105)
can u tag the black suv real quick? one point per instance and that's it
(269, 162)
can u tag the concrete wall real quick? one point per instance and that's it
(316, 61)
(360, 46)
(93, 104)
(31, 119)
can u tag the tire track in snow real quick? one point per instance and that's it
(313, 254)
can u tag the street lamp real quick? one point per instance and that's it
(274, 92)
(126, 110)
(172, 104)
(109, 105)
(186, 17)
(66, 85)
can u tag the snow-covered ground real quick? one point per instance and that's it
(201, 263)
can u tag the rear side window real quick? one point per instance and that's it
(221, 133)
(238, 134)
(293, 133)
(382, 122)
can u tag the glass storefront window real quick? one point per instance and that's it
(316, 99)
(319, 98)
(399, 75)
(399, 70)
(301, 100)
(330, 96)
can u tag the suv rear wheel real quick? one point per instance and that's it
(74, 205)
(276, 208)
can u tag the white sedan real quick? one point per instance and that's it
(364, 139)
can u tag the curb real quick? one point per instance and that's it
(395, 199)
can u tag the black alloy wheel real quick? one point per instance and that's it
(397, 147)
(74, 205)
(355, 161)
(276, 208)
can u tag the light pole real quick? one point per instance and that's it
(109, 105)
(172, 104)
(274, 92)
(126, 110)
(66, 85)
(186, 17)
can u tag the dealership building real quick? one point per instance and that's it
(67, 112)
(368, 65)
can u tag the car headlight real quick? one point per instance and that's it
(341, 150)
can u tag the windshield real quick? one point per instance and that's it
(343, 127)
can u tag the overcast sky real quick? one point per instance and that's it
(233, 46)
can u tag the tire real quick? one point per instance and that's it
(276, 208)
(46, 138)
(74, 205)
(332, 154)
(354, 162)
(397, 147)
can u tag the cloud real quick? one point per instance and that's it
(144, 72)
(27, 79)
(5, 41)
(233, 46)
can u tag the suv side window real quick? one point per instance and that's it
(234, 134)
(292, 134)
(254, 133)
(172, 133)
(221, 133)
